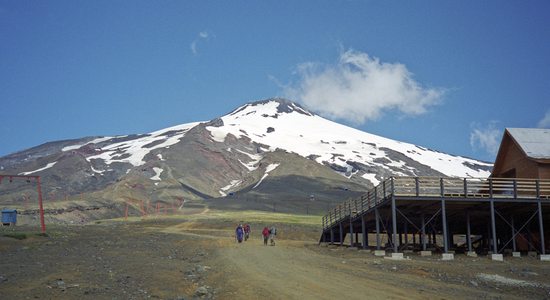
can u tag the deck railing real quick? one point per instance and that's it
(437, 187)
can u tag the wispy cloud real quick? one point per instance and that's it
(193, 47)
(204, 36)
(545, 121)
(360, 88)
(485, 137)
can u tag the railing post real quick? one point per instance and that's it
(537, 187)
(384, 189)
(465, 188)
(375, 196)
(515, 189)
(417, 186)
(491, 188)
(368, 200)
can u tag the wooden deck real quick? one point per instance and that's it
(415, 205)
(429, 188)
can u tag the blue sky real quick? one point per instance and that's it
(448, 75)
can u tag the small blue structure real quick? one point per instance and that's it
(9, 216)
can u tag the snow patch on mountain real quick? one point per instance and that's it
(41, 169)
(372, 178)
(232, 184)
(253, 164)
(268, 169)
(133, 151)
(95, 141)
(157, 171)
(97, 171)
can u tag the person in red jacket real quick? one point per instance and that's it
(246, 231)
(265, 233)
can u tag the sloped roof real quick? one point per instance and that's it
(535, 142)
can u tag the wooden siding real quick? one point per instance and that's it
(510, 157)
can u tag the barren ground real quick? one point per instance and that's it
(195, 256)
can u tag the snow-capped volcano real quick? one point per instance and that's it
(265, 148)
(281, 124)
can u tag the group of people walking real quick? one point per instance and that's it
(242, 233)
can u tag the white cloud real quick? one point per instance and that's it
(485, 137)
(203, 35)
(193, 47)
(545, 121)
(360, 88)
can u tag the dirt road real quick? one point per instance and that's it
(291, 271)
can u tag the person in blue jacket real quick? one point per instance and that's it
(239, 233)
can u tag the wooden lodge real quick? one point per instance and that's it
(505, 213)
(523, 153)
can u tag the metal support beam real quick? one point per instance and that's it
(423, 237)
(444, 218)
(394, 224)
(350, 232)
(493, 228)
(513, 233)
(468, 231)
(541, 228)
(377, 217)
(331, 235)
(406, 229)
(365, 234)
(341, 234)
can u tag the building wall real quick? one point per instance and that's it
(544, 171)
(514, 158)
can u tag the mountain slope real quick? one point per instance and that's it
(271, 149)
